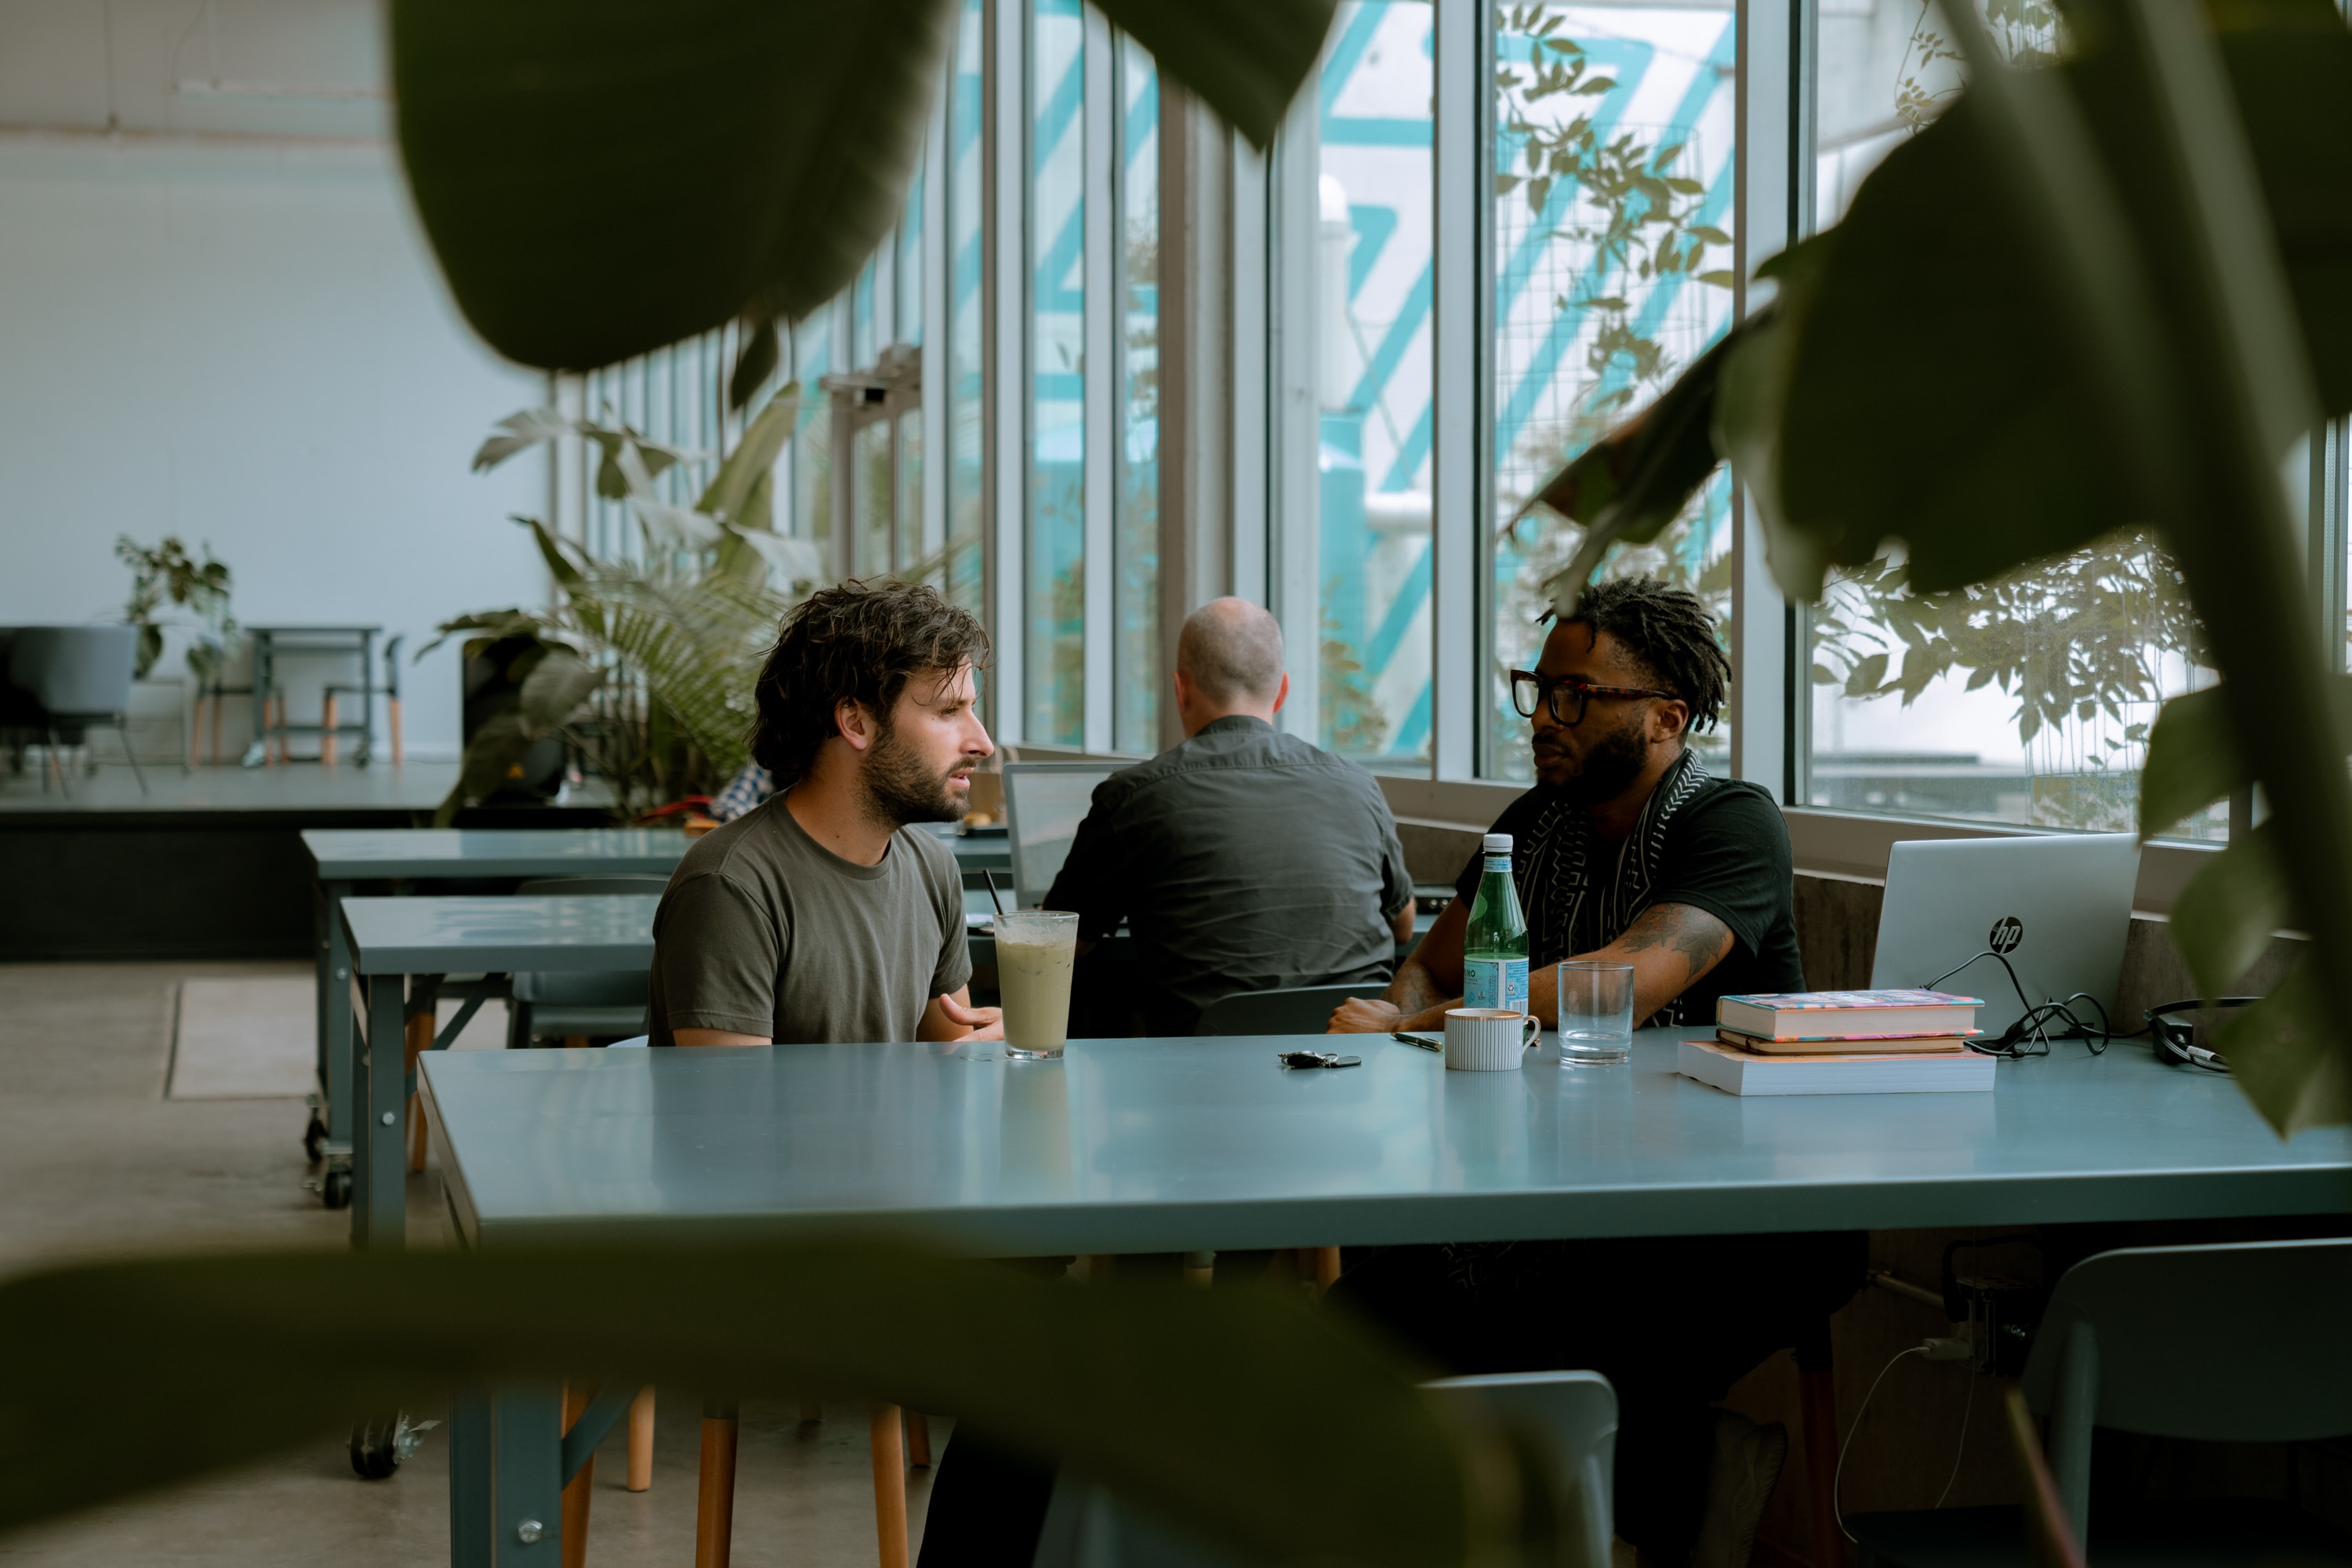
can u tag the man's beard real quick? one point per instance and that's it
(898, 790)
(1610, 767)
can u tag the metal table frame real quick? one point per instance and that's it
(1398, 1151)
(342, 858)
(327, 642)
(402, 952)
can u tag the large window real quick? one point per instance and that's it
(1135, 655)
(1373, 288)
(965, 421)
(2025, 700)
(1613, 212)
(1054, 653)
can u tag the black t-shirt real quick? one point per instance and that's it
(1725, 851)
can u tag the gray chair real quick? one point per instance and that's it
(569, 1006)
(1569, 1417)
(79, 678)
(1290, 1010)
(2238, 1343)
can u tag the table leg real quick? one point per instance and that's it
(714, 1492)
(580, 1491)
(365, 753)
(380, 1140)
(335, 1032)
(888, 1444)
(505, 1479)
(257, 751)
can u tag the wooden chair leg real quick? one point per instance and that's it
(714, 1494)
(392, 707)
(1817, 1411)
(889, 1487)
(918, 1440)
(576, 1042)
(641, 1441)
(1200, 1270)
(1327, 1267)
(327, 740)
(421, 1030)
(577, 1492)
(811, 1412)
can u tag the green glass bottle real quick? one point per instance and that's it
(1495, 953)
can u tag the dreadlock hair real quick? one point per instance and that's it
(1668, 631)
(858, 641)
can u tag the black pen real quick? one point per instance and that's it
(1416, 1040)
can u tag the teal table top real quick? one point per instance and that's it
(352, 855)
(500, 935)
(1184, 1144)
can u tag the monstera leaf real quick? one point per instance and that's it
(603, 177)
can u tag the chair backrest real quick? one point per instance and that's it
(75, 671)
(549, 886)
(1289, 1010)
(2240, 1342)
(1574, 1416)
(1571, 1417)
(1044, 804)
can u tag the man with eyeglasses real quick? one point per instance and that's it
(1627, 849)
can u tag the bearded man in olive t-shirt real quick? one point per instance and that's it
(823, 916)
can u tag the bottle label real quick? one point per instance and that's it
(1495, 983)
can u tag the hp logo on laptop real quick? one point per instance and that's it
(2007, 932)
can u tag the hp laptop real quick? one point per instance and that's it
(2057, 906)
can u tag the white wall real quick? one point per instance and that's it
(239, 337)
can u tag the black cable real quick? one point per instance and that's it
(2030, 1035)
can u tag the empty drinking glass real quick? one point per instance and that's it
(1596, 1012)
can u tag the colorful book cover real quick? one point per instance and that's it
(1824, 1001)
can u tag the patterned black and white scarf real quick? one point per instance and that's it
(1574, 903)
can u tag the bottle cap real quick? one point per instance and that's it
(1498, 844)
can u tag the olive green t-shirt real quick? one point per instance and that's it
(763, 930)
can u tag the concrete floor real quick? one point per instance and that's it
(95, 1161)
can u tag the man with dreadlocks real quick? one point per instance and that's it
(1627, 849)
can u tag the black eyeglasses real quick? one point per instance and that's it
(1529, 688)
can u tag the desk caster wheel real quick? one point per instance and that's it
(380, 1443)
(335, 1189)
(362, 755)
(314, 1139)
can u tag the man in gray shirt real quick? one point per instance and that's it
(1242, 859)
(822, 915)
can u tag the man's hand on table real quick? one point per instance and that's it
(982, 1023)
(1365, 1016)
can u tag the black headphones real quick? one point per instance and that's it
(2174, 1038)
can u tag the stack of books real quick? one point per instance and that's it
(1841, 1042)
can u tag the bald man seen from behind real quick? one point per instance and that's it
(1242, 859)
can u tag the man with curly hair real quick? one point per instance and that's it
(1627, 849)
(827, 913)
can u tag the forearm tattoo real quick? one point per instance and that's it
(1698, 936)
(1414, 989)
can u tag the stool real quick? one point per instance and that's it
(896, 1436)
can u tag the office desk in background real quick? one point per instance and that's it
(1203, 1144)
(343, 859)
(400, 949)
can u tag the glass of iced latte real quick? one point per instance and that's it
(1036, 952)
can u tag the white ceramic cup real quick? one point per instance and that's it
(1489, 1039)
